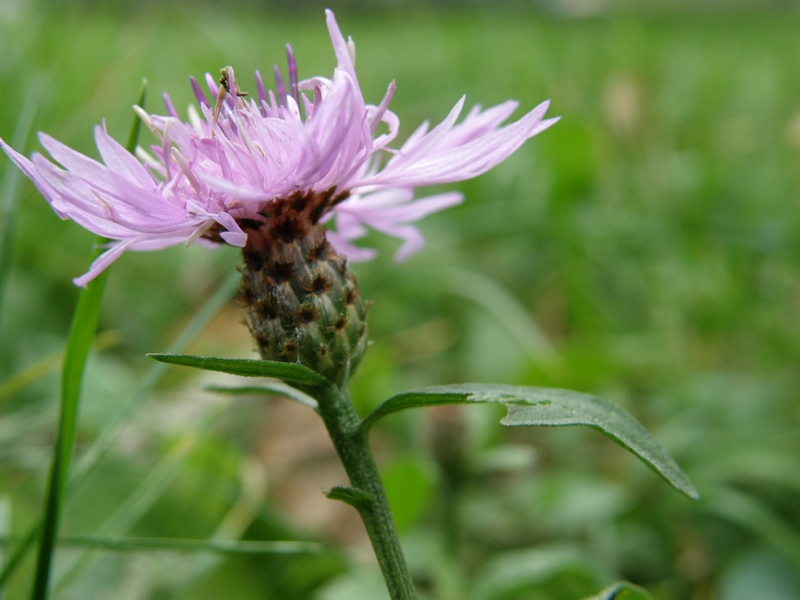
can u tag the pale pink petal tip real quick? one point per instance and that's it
(102, 262)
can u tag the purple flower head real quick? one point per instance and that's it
(206, 178)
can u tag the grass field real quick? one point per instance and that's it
(645, 249)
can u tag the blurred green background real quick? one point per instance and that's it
(645, 249)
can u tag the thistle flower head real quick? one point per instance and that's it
(210, 177)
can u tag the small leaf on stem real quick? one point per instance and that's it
(352, 496)
(248, 368)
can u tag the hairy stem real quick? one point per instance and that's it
(341, 421)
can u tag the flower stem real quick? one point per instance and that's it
(340, 418)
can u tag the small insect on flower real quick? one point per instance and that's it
(225, 88)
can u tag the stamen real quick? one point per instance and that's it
(262, 93)
(198, 233)
(166, 145)
(212, 85)
(280, 88)
(198, 93)
(194, 119)
(351, 49)
(170, 107)
(376, 119)
(293, 89)
(144, 156)
(273, 108)
(140, 112)
(184, 166)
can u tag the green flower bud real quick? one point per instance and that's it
(302, 302)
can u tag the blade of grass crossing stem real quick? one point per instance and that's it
(12, 180)
(81, 333)
(90, 459)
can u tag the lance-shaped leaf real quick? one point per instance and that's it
(547, 407)
(248, 368)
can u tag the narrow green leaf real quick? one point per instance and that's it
(12, 182)
(5, 529)
(274, 388)
(247, 367)
(133, 136)
(547, 407)
(84, 325)
(134, 544)
(352, 496)
(622, 591)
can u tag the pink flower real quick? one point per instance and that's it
(230, 160)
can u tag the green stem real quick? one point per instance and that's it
(340, 418)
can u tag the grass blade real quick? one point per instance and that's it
(5, 528)
(84, 325)
(137, 544)
(133, 136)
(12, 180)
